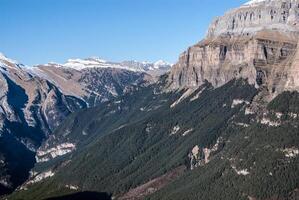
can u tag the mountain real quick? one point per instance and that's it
(222, 124)
(158, 68)
(35, 100)
(257, 41)
(30, 109)
(96, 80)
(147, 142)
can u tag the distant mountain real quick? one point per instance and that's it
(159, 67)
(96, 80)
(222, 124)
(149, 141)
(93, 85)
(35, 100)
(30, 109)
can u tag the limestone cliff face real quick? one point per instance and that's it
(264, 55)
(255, 16)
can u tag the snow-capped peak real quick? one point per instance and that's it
(254, 2)
(98, 59)
(96, 62)
(161, 64)
(80, 64)
(3, 57)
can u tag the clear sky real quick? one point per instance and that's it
(40, 31)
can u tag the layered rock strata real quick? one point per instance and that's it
(257, 42)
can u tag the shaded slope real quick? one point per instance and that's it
(147, 147)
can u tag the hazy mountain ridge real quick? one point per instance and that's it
(94, 62)
(35, 100)
(224, 120)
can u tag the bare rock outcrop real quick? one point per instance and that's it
(256, 15)
(34, 101)
(241, 44)
(30, 109)
(92, 84)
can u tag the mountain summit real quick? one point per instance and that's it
(158, 67)
(257, 42)
(258, 15)
(221, 124)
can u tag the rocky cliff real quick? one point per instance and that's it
(257, 42)
(30, 109)
(93, 85)
(35, 100)
(257, 15)
(129, 146)
(96, 80)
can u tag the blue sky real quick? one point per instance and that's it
(40, 31)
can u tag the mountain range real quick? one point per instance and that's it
(222, 123)
(35, 100)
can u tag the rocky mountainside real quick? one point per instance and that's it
(222, 124)
(93, 85)
(30, 109)
(258, 15)
(157, 68)
(35, 100)
(257, 42)
(155, 145)
(96, 80)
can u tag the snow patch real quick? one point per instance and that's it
(291, 152)
(187, 132)
(243, 125)
(175, 130)
(81, 64)
(72, 187)
(197, 95)
(278, 115)
(255, 2)
(84, 133)
(148, 128)
(243, 172)
(94, 62)
(237, 102)
(293, 115)
(3, 57)
(184, 96)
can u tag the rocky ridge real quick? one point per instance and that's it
(257, 42)
(35, 100)
(30, 109)
(255, 16)
(207, 126)
(96, 80)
